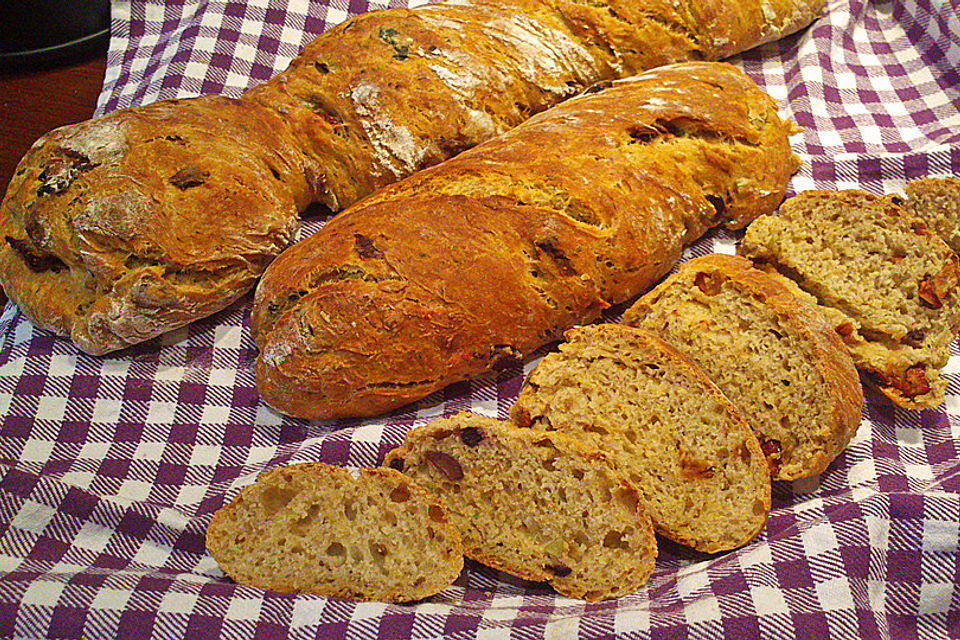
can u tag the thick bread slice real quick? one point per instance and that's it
(887, 282)
(697, 464)
(314, 528)
(768, 350)
(540, 506)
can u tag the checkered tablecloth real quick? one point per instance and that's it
(110, 468)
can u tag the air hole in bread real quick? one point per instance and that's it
(336, 550)
(276, 498)
(349, 510)
(614, 540)
(306, 519)
(628, 499)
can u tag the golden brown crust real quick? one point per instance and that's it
(118, 229)
(390, 92)
(824, 426)
(496, 252)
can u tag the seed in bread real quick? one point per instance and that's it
(769, 351)
(540, 506)
(885, 280)
(699, 468)
(315, 528)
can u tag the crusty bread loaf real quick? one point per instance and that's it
(886, 282)
(390, 92)
(494, 253)
(121, 229)
(769, 351)
(540, 506)
(699, 468)
(118, 229)
(936, 201)
(315, 528)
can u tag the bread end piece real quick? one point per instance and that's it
(314, 528)
(116, 230)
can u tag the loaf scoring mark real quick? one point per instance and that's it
(365, 248)
(36, 261)
(316, 106)
(544, 53)
(549, 247)
(677, 28)
(396, 149)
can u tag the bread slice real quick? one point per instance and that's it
(887, 282)
(937, 202)
(769, 351)
(540, 506)
(315, 528)
(667, 427)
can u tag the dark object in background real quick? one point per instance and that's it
(45, 32)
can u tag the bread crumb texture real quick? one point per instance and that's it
(699, 468)
(315, 528)
(884, 279)
(540, 506)
(769, 351)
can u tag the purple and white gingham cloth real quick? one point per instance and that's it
(110, 468)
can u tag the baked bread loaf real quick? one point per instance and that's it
(485, 258)
(936, 201)
(886, 282)
(115, 231)
(699, 469)
(769, 351)
(315, 528)
(118, 229)
(540, 506)
(390, 92)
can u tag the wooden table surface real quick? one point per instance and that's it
(35, 101)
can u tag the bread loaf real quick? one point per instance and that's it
(540, 506)
(114, 231)
(886, 282)
(483, 259)
(699, 469)
(314, 528)
(769, 351)
(391, 92)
